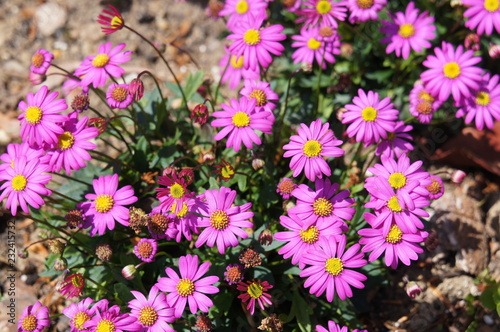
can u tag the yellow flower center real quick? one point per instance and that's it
(434, 188)
(100, 60)
(252, 37)
(29, 323)
(322, 207)
(183, 212)
(425, 96)
(219, 220)
(237, 61)
(227, 172)
(424, 107)
(313, 44)
(37, 60)
(65, 140)
(79, 319)
(116, 22)
(395, 235)
(451, 70)
(77, 281)
(145, 249)
(323, 7)
(369, 114)
(119, 94)
(260, 96)
(491, 5)
(19, 182)
(105, 325)
(147, 316)
(33, 115)
(334, 266)
(185, 287)
(393, 204)
(242, 7)
(255, 290)
(406, 30)
(310, 236)
(312, 148)
(104, 203)
(483, 98)
(241, 119)
(397, 180)
(176, 191)
(365, 4)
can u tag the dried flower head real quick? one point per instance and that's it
(60, 264)
(138, 218)
(271, 324)
(74, 218)
(203, 323)
(233, 273)
(250, 258)
(80, 103)
(104, 252)
(56, 246)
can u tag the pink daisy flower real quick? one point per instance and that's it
(396, 245)
(175, 195)
(397, 142)
(285, 187)
(483, 107)
(402, 176)
(364, 10)
(301, 238)
(15, 150)
(370, 118)
(79, 313)
(107, 205)
(96, 69)
(436, 188)
(111, 20)
(24, 184)
(239, 120)
(41, 117)
(422, 104)
(243, 10)
(111, 320)
(70, 152)
(188, 287)
(72, 285)
(146, 249)
(324, 203)
(333, 327)
(234, 70)
(264, 96)
(410, 31)
(331, 269)
(322, 13)
(451, 72)
(118, 96)
(483, 15)
(309, 148)
(35, 318)
(222, 220)
(310, 48)
(390, 210)
(256, 43)
(152, 313)
(255, 292)
(162, 226)
(40, 61)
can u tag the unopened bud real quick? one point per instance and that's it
(432, 241)
(306, 67)
(494, 51)
(413, 289)
(458, 176)
(208, 158)
(136, 89)
(472, 42)
(23, 254)
(266, 237)
(258, 163)
(199, 114)
(128, 272)
(60, 264)
(36, 79)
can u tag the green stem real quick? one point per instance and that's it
(282, 117)
(66, 197)
(73, 179)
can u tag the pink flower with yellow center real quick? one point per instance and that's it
(72, 285)
(318, 13)
(309, 147)
(255, 292)
(223, 220)
(482, 15)
(111, 20)
(107, 205)
(79, 313)
(146, 249)
(234, 69)
(118, 96)
(153, 313)
(240, 10)
(364, 10)
(312, 48)
(189, 287)
(40, 61)
(35, 318)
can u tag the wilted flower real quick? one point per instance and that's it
(271, 324)
(72, 285)
(56, 246)
(203, 323)
(80, 103)
(250, 258)
(104, 252)
(60, 264)
(472, 42)
(413, 289)
(233, 273)
(74, 218)
(111, 20)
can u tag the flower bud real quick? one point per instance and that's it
(413, 289)
(36, 79)
(258, 163)
(199, 114)
(458, 176)
(60, 264)
(472, 42)
(23, 254)
(203, 323)
(136, 89)
(56, 246)
(128, 272)
(266, 237)
(99, 123)
(494, 51)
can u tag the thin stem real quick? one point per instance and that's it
(282, 117)
(98, 285)
(163, 59)
(73, 178)
(66, 197)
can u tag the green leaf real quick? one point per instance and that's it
(193, 82)
(300, 310)
(242, 182)
(486, 298)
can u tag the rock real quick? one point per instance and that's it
(49, 17)
(458, 288)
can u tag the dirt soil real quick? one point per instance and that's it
(465, 220)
